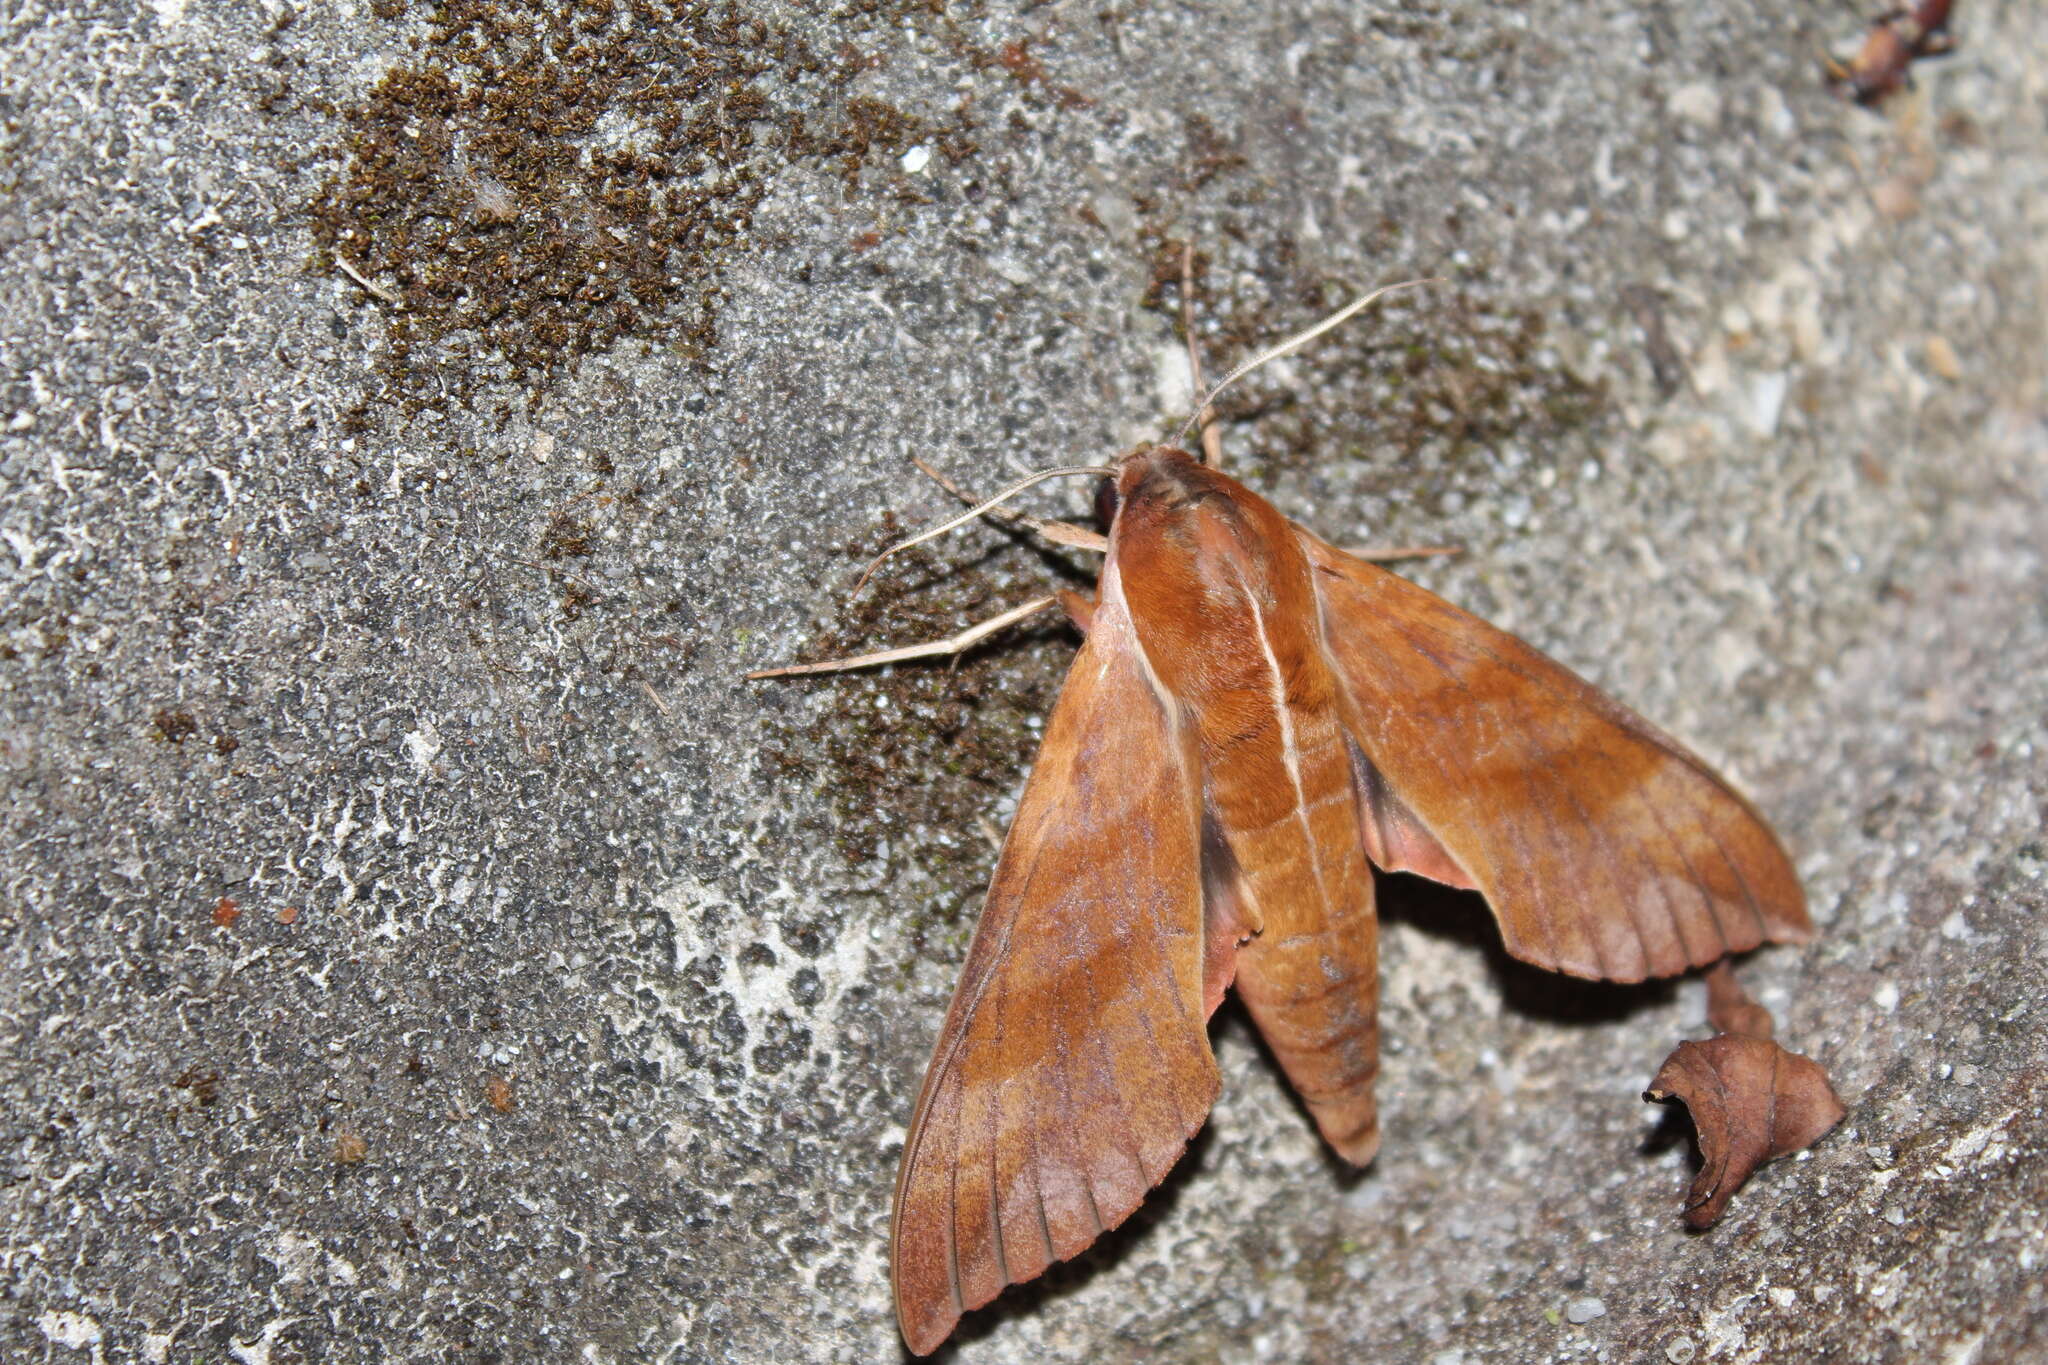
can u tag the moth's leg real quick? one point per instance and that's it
(955, 644)
(1385, 552)
(1080, 610)
(1205, 420)
(1058, 532)
(1730, 1008)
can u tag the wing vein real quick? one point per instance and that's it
(995, 1135)
(1447, 728)
(1699, 888)
(1064, 1073)
(1038, 1191)
(1741, 881)
(1163, 936)
(953, 1222)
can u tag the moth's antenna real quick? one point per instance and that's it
(1205, 416)
(1293, 343)
(1063, 472)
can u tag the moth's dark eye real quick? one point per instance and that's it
(1105, 504)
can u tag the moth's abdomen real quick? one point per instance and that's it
(1310, 977)
(1316, 1001)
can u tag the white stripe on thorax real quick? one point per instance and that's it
(1290, 751)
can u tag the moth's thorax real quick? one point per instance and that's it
(1218, 586)
(1225, 610)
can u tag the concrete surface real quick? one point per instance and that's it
(421, 945)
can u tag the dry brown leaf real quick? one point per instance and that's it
(1750, 1101)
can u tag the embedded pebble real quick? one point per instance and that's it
(1941, 358)
(1697, 103)
(1583, 1310)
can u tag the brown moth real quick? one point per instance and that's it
(1257, 719)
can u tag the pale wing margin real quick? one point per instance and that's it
(1605, 849)
(1074, 1064)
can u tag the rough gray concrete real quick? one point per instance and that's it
(421, 945)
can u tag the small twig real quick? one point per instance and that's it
(551, 572)
(348, 268)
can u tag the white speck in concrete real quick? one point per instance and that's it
(257, 1352)
(1767, 402)
(74, 1330)
(1697, 103)
(422, 746)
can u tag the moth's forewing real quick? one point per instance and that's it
(1074, 1063)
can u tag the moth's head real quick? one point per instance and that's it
(1167, 506)
(1144, 472)
(1162, 486)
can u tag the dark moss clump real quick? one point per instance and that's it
(566, 538)
(1440, 368)
(543, 175)
(1443, 368)
(545, 179)
(924, 745)
(869, 126)
(576, 599)
(1455, 370)
(203, 1086)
